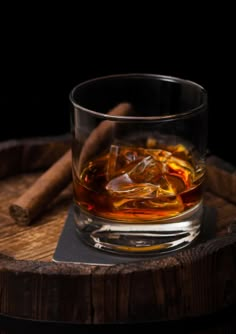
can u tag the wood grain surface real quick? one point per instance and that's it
(191, 282)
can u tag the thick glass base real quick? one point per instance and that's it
(150, 238)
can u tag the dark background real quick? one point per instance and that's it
(38, 70)
(43, 56)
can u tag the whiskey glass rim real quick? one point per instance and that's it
(165, 78)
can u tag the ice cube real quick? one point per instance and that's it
(170, 207)
(124, 158)
(174, 203)
(121, 159)
(144, 180)
(137, 172)
(147, 170)
(124, 186)
(181, 168)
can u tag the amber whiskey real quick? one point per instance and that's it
(140, 184)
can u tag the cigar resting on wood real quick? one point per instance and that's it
(41, 193)
(36, 199)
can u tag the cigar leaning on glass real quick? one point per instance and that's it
(30, 204)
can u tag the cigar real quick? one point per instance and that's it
(101, 133)
(40, 194)
(29, 205)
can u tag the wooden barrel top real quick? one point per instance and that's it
(192, 282)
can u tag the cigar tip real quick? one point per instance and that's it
(19, 214)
